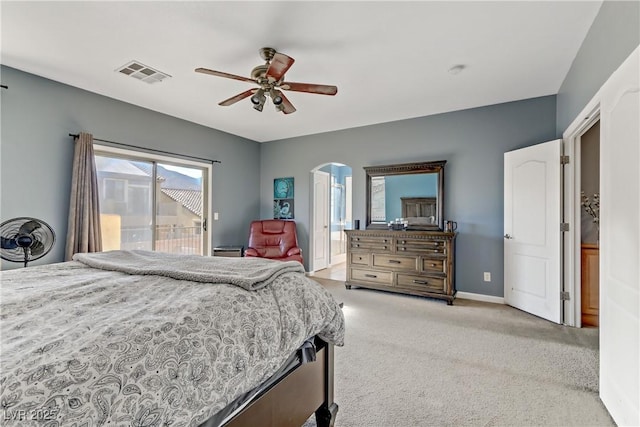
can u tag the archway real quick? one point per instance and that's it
(331, 213)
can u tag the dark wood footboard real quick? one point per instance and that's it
(306, 390)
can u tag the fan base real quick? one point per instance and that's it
(258, 72)
(267, 53)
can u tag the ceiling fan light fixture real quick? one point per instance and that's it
(276, 98)
(270, 77)
(258, 97)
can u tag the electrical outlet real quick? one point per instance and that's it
(215, 216)
(487, 276)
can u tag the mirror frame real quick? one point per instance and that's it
(406, 169)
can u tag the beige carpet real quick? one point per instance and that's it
(412, 361)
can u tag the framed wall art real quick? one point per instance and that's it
(283, 206)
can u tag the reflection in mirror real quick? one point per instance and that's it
(413, 191)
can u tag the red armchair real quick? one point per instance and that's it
(275, 239)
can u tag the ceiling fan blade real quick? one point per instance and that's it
(221, 74)
(287, 106)
(279, 65)
(238, 97)
(309, 87)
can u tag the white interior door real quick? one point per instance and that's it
(620, 243)
(320, 220)
(532, 219)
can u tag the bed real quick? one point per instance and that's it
(143, 338)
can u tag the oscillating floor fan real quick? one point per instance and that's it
(25, 239)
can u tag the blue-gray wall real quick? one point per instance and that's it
(36, 153)
(614, 34)
(471, 141)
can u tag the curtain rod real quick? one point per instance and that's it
(152, 150)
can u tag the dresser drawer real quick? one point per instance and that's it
(421, 246)
(433, 265)
(431, 284)
(374, 243)
(396, 262)
(360, 258)
(377, 240)
(382, 277)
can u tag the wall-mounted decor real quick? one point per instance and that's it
(283, 208)
(283, 188)
(283, 198)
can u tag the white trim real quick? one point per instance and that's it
(480, 297)
(312, 222)
(572, 212)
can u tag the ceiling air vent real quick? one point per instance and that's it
(140, 71)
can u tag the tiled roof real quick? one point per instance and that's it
(172, 179)
(190, 199)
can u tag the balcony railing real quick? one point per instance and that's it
(169, 238)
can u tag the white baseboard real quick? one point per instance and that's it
(480, 297)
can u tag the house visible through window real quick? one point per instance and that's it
(114, 189)
(152, 204)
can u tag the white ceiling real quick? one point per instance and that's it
(390, 60)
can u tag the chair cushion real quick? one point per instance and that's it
(275, 239)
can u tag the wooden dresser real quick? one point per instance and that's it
(408, 262)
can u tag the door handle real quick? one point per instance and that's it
(507, 236)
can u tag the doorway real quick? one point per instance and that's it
(331, 214)
(589, 158)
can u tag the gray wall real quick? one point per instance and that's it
(471, 141)
(36, 153)
(614, 34)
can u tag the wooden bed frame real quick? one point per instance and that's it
(296, 396)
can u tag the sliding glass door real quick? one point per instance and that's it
(152, 205)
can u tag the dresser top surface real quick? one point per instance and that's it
(402, 233)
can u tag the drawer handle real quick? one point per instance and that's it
(359, 258)
(404, 242)
(357, 245)
(371, 275)
(384, 241)
(432, 265)
(394, 261)
(403, 249)
(420, 282)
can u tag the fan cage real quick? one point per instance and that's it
(10, 229)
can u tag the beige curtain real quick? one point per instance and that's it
(83, 233)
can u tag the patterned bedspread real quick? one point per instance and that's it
(84, 346)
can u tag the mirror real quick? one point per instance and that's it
(413, 191)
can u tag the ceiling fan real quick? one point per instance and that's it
(270, 79)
